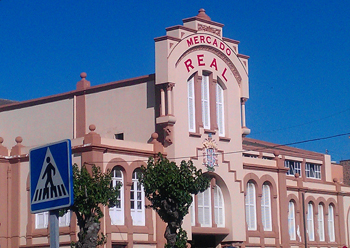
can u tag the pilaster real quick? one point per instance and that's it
(80, 108)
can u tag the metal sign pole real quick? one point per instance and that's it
(54, 231)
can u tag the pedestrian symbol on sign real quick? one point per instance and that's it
(50, 184)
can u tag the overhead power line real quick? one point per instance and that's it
(305, 123)
(259, 149)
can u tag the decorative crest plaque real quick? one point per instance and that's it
(210, 156)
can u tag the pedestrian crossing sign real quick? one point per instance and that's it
(51, 177)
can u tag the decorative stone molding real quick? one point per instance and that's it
(206, 28)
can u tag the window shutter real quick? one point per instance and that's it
(331, 233)
(310, 222)
(219, 212)
(220, 109)
(65, 219)
(250, 207)
(204, 209)
(291, 221)
(200, 208)
(193, 213)
(117, 212)
(207, 208)
(205, 102)
(320, 220)
(41, 220)
(191, 105)
(266, 208)
(137, 201)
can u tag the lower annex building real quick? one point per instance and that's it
(261, 194)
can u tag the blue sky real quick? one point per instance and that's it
(299, 56)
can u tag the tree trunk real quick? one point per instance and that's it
(171, 233)
(88, 235)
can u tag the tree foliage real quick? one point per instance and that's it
(91, 191)
(169, 188)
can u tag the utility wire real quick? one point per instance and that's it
(241, 151)
(305, 123)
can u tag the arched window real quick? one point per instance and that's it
(204, 208)
(250, 206)
(205, 102)
(310, 221)
(320, 222)
(331, 232)
(117, 212)
(266, 208)
(137, 200)
(219, 207)
(291, 221)
(220, 109)
(191, 105)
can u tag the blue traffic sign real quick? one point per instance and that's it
(51, 177)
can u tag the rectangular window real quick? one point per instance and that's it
(191, 105)
(205, 102)
(294, 167)
(313, 170)
(119, 136)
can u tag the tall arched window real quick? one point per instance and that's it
(320, 222)
(220, 109)
(266, 208)
(219, 207)
(250, 206)
(137, 200)
(191, 105)
(291, 221)
(331, 232)
(117, 212)
(310, 221)
(205, 102)
(204, 208)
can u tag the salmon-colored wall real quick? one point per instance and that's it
(122, 110)
(39, 124)
(337, 172)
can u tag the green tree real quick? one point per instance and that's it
(91, 191)
(169, 188)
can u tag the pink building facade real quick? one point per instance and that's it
(193, 107)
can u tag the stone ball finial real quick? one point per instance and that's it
(83, 75)
(335, 179)
(276, 153)
(154, 136)
(296, 175)
(18, 139)
(1, 140)
(92, 127)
